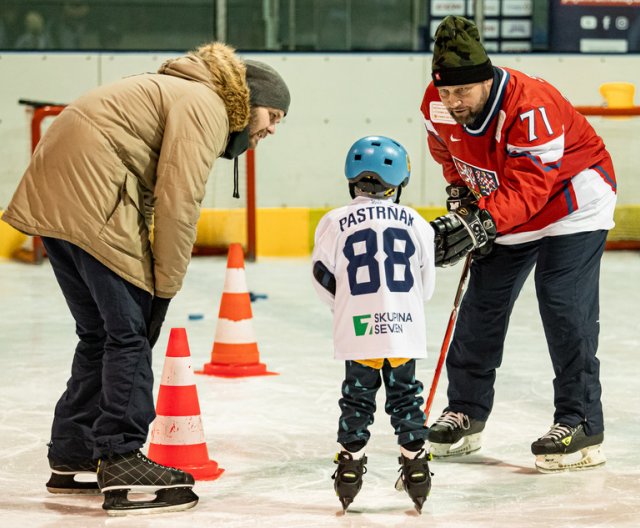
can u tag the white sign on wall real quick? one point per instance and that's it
(517, 8)
(442, 8)
(516, 28)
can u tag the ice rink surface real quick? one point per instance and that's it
(275, 435)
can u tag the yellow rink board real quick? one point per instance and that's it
(10, 239)
(288, 232)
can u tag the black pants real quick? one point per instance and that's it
(108, 404)
(567, 274)
(358, 403)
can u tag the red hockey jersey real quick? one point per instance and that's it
(522, 160)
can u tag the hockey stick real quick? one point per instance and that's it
(447, 335)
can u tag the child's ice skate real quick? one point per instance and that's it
(63, 478)
(134, 472)
(566, 448)
(415, 478)
(348, 477)
(455, 434)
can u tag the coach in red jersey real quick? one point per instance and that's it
(530, 184)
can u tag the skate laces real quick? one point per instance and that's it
(557, 432)
(147, 460)
(153, 463)
(454, 420)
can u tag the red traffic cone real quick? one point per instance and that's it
(235, 351)
(177, 437)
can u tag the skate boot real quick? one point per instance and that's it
(122, 473)
(348, 477)
(63, 478)
(455, 433)
(566, 448)
(415, 478)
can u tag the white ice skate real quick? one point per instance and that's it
(566, 448)
(455, 434)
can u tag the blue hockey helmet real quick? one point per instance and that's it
(381, 157)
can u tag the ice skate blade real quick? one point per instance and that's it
(345, 501)
(586, 458)
(418, 503)
(464, 446)
(65, 484)
(74, 491)
(117, 504)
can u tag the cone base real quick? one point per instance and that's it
(193, 459)
(235, 370)
(208, 471)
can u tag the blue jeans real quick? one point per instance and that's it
(567, 274)
(108, 404)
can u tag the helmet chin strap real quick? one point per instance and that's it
(391, 193)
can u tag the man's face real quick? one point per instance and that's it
(466, 101)
(263, 122)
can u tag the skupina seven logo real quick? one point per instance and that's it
(362, 325)
(381, 323)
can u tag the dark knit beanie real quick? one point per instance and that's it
(458, 55)
(266, 87)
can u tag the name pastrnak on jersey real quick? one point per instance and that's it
(382, 257)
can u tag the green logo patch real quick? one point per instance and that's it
(362, 324)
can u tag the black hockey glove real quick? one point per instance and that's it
(324, 277)
(462, 231)
(459, 196)
(159, 307)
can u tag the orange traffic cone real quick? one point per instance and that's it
(177, 437)
(235, 351)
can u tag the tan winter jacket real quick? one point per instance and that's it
(131, 153)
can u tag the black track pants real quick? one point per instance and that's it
(403, 404)
(567, 272)
(108, 404)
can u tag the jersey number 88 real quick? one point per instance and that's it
(395, 255)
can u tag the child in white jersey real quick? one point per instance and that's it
(373, 264)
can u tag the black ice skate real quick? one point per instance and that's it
(415, 478)
(63, 478)
(120, 474)
(348, 477)
(455, 434)
(566, 448)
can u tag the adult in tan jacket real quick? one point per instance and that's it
(123, 158)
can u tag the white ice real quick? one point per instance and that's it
(275, 435)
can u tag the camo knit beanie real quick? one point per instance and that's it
(266, 87)
(458, 55)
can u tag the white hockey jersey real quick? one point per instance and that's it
(382, 257)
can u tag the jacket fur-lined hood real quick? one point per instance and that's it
(217, 64)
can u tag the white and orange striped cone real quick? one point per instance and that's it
(177, 436)
(235, 350)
